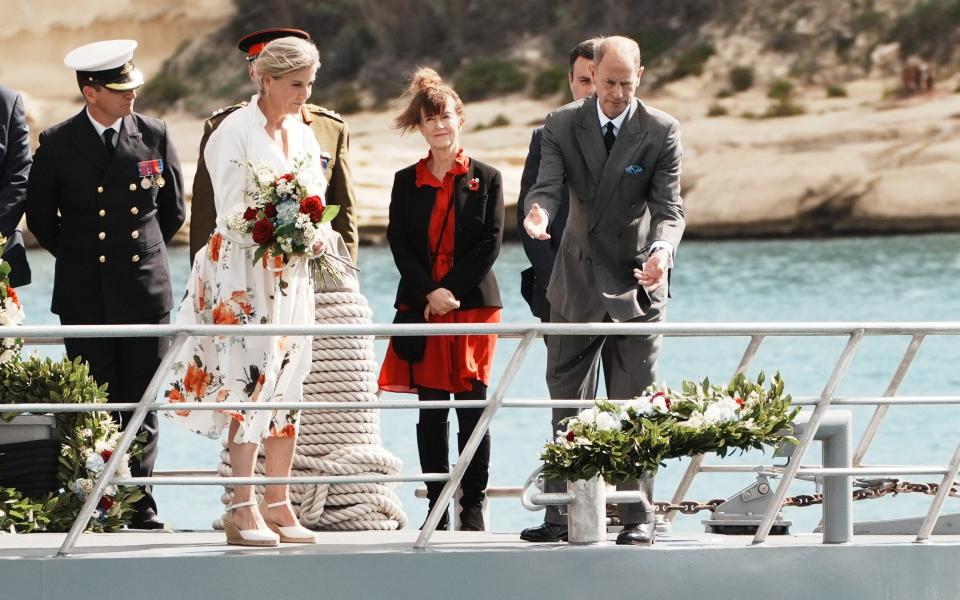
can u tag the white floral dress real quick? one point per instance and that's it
(226, 287)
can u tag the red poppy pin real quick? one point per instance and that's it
(473, 185)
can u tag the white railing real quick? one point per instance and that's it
(757, 332)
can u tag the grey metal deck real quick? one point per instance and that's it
(485, 566)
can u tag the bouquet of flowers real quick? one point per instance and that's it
(623, 442)
(284, 217)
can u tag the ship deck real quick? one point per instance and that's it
(464, 566)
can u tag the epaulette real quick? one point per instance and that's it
(226, 110)
(324, 112)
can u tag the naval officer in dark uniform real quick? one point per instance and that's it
(105, 196)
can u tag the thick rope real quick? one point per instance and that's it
(340, 442)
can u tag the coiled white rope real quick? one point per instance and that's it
(340, 442)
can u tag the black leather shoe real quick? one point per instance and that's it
(546, 532)
(146, 520)
(637, 534)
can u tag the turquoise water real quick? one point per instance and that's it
(908, 278)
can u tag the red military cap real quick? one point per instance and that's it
(253, 43)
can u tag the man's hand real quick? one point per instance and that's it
(536, 223)
(439, 302)
(654, 273)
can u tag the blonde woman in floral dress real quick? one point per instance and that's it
(227, 287)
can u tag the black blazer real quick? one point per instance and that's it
(86, 206)
(14, 169)
(542, 253)
(478, 218)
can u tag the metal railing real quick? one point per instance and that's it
(757, 332)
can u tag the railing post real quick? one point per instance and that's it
(892, 388)
(129, 434)
(926, 528)
(776, 503)
(693, 469)
(470, 448)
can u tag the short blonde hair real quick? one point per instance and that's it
(283, 56)
(428, 96)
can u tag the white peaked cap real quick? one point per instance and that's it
(100, 56)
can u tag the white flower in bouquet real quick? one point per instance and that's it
(607, 421)
(587, 416)
(123, 471)
(285, 187)
(7, 355)
(94, 463)
(724, 410)
(582, 441)
(110, 491)
(288, 212)
(236, 222)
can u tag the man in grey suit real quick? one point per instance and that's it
(15, 163)
(621, 162)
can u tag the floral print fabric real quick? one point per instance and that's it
(227, 288)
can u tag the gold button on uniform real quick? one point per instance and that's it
(134, 211)
(135, 258)
(135, 234)
(103, 259)
(99, 189)
(103, 235)
(133, 187)
(103, 213)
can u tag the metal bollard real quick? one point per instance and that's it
(587, 514)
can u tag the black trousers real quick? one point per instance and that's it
(126, 365)
(466, 417)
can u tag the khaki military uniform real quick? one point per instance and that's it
(333, 137)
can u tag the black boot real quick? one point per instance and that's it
(474, 484)
(433, 443)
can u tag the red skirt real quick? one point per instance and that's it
(449, 362)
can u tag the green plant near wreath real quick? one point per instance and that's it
(622, 443)
(86, 442)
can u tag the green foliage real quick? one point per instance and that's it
(784, 108)
(780, 89)
(164, 89)
(655, 42)
(836, 91)
(498, 121)
(489, 77)
(84, 437)
(623, 443)
(344, 98)
(691, 61)
(741, 78)
(929, 29)
(717, 110)
(549, 82)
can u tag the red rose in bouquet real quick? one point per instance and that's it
(262, 231)
(250, 214)
(270, 210)
(312, 206)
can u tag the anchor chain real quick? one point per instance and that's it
(868, 489)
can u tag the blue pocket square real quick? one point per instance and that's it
(633, 170)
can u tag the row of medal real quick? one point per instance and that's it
(151, 173)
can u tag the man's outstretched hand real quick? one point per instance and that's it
(536, 223)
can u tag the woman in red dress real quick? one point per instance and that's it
(445, 229)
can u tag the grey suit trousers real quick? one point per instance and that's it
(572, 374)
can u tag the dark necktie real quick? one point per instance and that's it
(108, 139)
(609, 138)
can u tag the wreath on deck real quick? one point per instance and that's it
(86, 440)
(624, 442)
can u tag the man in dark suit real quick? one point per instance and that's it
(105, 196)
(331, 132)
(14, 169)
(620, 160)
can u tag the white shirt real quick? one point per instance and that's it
(617, 123)
(115, 126)
(241, 137)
